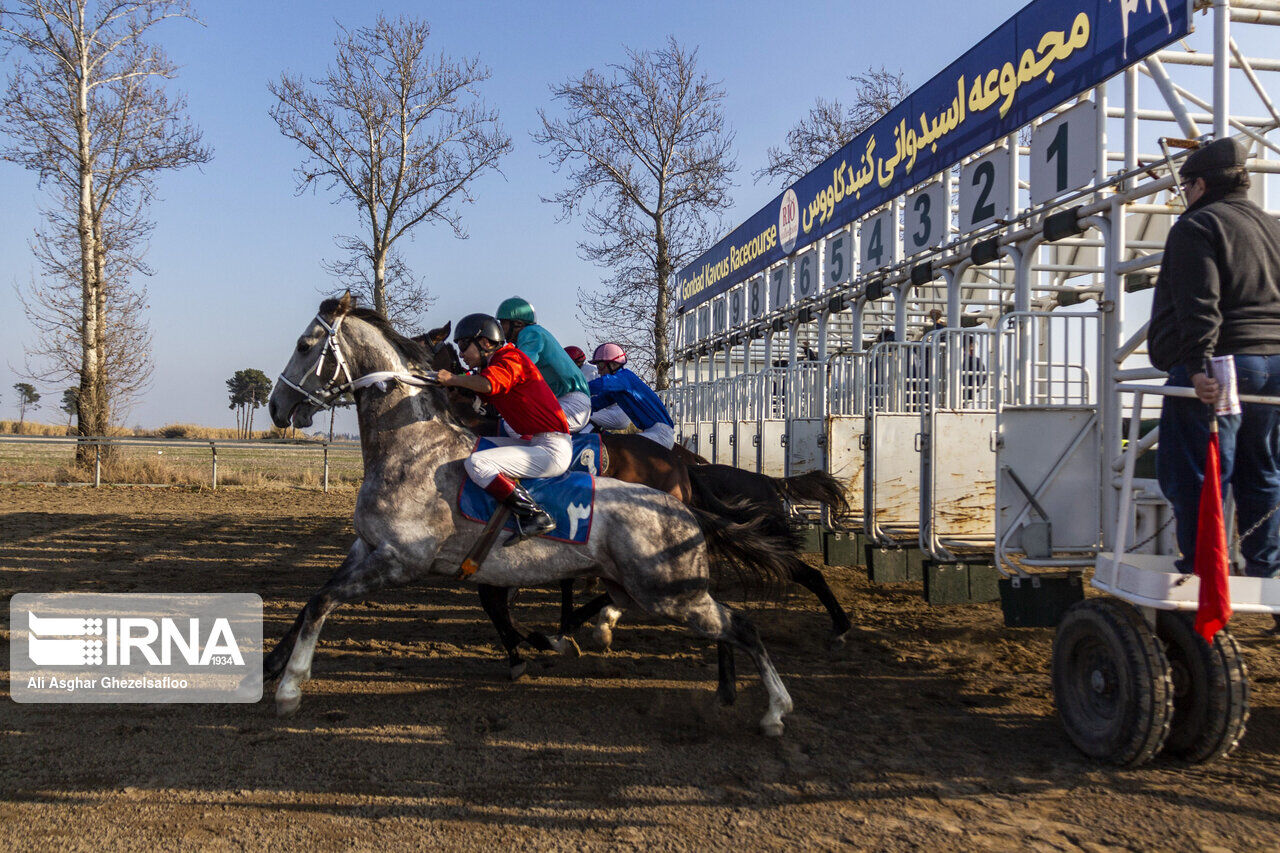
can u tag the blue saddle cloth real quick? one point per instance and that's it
(570, 498)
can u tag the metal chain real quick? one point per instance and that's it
(1159, 530)
(1169, 520)
(1260, 522)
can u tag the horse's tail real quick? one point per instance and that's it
(762, 560)
(817, 486)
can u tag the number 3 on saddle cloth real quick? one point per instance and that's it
(570, 498)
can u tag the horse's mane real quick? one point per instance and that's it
(414, 352)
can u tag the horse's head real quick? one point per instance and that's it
(443, 355)
(341, 344)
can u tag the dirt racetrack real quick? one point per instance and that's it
(934, 727)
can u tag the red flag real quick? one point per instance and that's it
(1214, 608)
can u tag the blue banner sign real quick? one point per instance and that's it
(1049, 52)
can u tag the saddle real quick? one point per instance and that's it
(570, 498)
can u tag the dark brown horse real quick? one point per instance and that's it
(729, 492)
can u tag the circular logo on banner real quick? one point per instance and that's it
(788, 221)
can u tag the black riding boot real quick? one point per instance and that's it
(531, 519)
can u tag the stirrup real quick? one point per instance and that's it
(524, 532)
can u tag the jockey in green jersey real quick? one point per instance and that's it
(520, 325)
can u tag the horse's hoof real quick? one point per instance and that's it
(539, 641)
(566, 646)
(287, 705)
(727, 697)
(518, 670)
(771, 728)
(837, 641)
(603, 638)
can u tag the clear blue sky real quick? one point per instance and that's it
(237, 253)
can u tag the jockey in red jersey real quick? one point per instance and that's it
(511, 382)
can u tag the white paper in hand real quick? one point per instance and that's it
(1224, 370)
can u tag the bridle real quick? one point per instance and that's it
(333, 389)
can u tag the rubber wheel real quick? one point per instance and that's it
(1111, 682)
(1210, 689)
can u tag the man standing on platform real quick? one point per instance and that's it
(1218, 293)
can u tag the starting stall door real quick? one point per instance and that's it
(806, 435)
(895, 386)
(1049, 443)
(722, 453)
(846, 426)
(772, 455)
(958, 476)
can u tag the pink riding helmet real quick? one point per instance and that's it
(610, 352)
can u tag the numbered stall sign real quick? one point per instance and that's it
(736, 315)
(779, 286)
(839, 264)
(806, 267)
(925, 219)
(690, 328)
(718, 312)
(984, 190)
(1064, 153)
(876, 241)
(704, 322)
(757, 297)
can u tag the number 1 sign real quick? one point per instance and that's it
(1064, 153)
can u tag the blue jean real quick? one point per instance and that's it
(1250, 445)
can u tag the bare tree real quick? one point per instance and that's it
(85, 110)
(649, 159)
(53, 304)
(830, 125)
(401, 133)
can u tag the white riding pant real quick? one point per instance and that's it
(577, 411)
(547, 454)
(662, 433)
(611, 417)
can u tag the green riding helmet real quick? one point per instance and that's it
(516, 309)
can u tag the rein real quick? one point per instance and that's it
(333, 389)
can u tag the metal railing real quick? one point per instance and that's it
(278, 455)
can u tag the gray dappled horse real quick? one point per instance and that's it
(649, 549)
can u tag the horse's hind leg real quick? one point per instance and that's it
(708, 617)
(358, 576)
(728, 689)
(563, 642)
(812, 579)
(571, 618)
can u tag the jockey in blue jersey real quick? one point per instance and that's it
(520, 325)
(635, 400)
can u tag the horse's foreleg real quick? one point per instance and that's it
(273, 664)
(358, 576)
(496, 600)
(812, 579)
